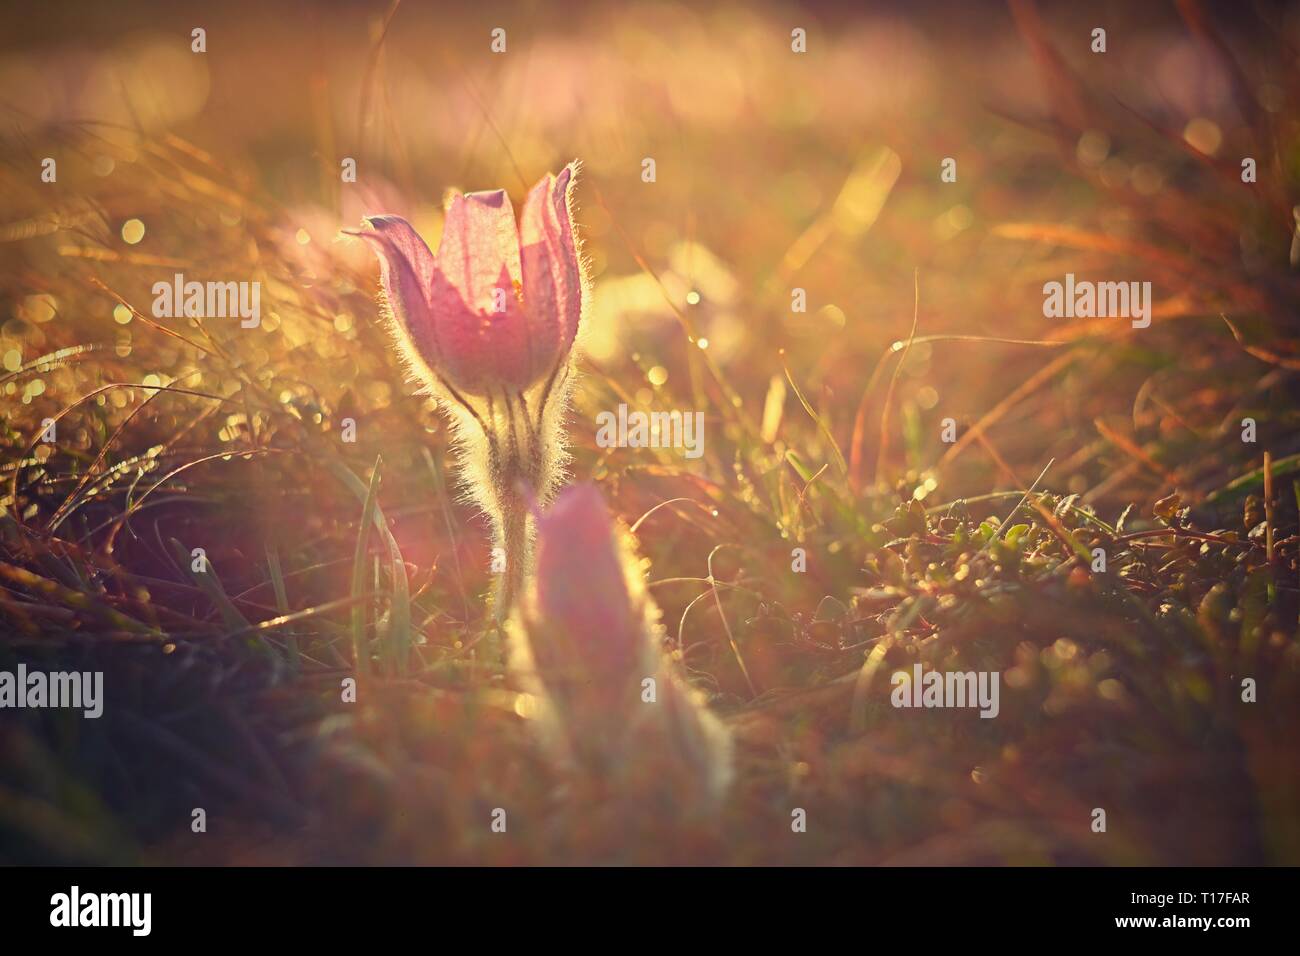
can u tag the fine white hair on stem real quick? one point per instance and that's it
(508, 431)
(507, 448)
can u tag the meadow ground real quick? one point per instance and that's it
(1125, 689)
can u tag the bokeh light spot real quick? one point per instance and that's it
(132, 231)
(1203, 135)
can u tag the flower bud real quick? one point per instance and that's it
(586, 642)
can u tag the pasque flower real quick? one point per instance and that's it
(488, 326)
(497, 309)
(587, 643)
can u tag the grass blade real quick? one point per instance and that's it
(360, 653)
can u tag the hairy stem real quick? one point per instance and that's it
(514, 537)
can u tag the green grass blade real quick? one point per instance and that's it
(281, 599)
(821, 425)
(361, 654)
(398, 638)
(210, 584)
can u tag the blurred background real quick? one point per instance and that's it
(774, 171)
